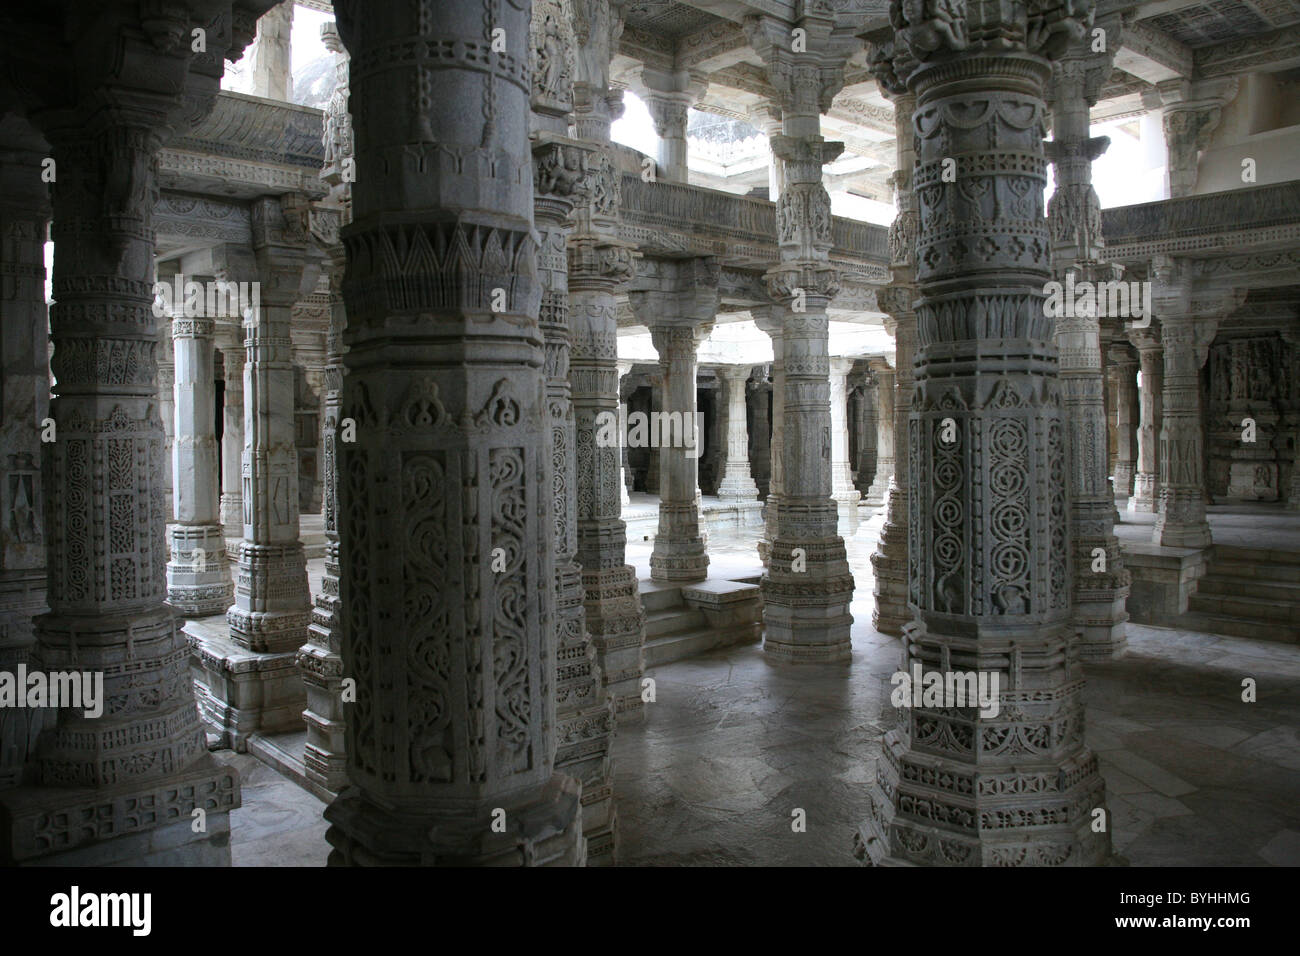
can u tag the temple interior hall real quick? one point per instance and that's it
(650, 433)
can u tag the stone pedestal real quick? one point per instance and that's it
(446, 496)
(198, 574)
(737, 482)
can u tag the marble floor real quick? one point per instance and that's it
(733, 746)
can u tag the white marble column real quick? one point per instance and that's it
(232, 441)
(446, 507)
(1187, 327)
(878, 493)
(808, 587)
(768, 319)
(890, 561)
(679, 315)
(669, 96)
(249, 681)
(1146, 477)
(24, 406)
(584, 711)
(844, 492)
(1291, 344)
(1123, 373)
(198, 574)
(167, 410)
(121, 785)
(737, 482)
(624, 471)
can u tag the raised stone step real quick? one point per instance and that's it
(1256, 570)
(658, 597)
(1239, 627)
(1263, 610)
(673, 620)
(1218, 583)
(1226, 552)
(676, 647)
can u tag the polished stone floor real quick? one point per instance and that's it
(733, 746)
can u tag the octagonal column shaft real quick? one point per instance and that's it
(445, 498)
(737, 480)
(198, 574)
(1005, 779)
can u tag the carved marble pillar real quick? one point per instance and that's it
(842, 488)
(760, 439)
(198, 574)
(1291, 355)
(656, 406)
(890, 561)
(584, 709)
(989, 524)
(272, 58)
(24, 406)
(1146, 479)
(1192, 112)
(881, 486)
(768, 319)
(862, 431)
(669, 96)
(1123, 373)
(1187, 326)
(737, 482)
(445, 498)
(320, 660)
(248, 679)
(808, 586)
(1100, 581)
(624, 469)
(232, 441)
(599, 265)
(167, 409)
(679, 317)
(104, 489)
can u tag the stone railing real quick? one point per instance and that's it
(1229, 222)
(671, 218)
(246, 147)
(259, 130)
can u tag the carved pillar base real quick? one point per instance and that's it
(279, 622)
(324, 756)
(198, 574)
(1145, 500)
(243, 692)
(953, 790)
(544, 831)
(1122, 482)
(617, 627)
(232, 515)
